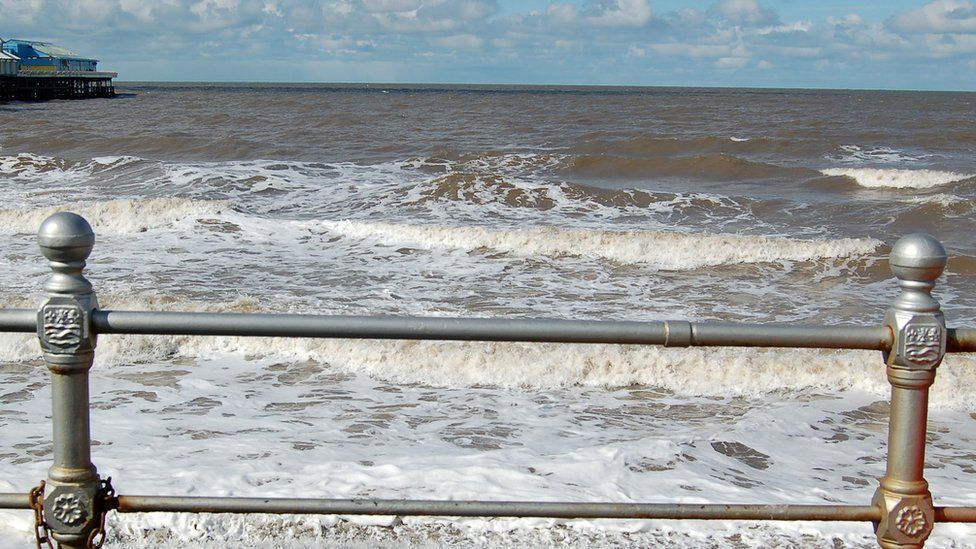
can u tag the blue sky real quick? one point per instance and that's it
(787, 43)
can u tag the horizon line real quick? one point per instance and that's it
(533, 85)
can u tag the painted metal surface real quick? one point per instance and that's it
(14, 501)
(958, 340)
(46, 56)
(143, 504)
(666, 333)
(40, 72)
(9, 64)
(68, 345)
(919, 330)
(146, 504)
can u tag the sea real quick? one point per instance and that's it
(742, 205)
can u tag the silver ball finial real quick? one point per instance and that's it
(66, 237)
(919, 257)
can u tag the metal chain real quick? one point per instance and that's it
(41, 534)
(106, 502)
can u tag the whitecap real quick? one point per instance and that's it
(896, 178)
(660, 249)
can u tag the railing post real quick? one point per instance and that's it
(64, 327)
(918, 346)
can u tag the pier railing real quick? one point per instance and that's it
(70, 506)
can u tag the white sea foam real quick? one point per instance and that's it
(687, 372)
(952, 205)
(121, 216)
(882, 155)
(663, 250)
(227, 425)
(29, 164)
(115, 161)
(896, 178)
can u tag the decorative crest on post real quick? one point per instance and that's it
(919, 343)
(64, 321)
(915, 318)
(64, 328)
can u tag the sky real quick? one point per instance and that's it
(886, 44)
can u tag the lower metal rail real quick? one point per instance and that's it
(393, 507)
(141, 504)
(14, 501)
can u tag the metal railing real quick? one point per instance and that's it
(72, 503)
(40, 73)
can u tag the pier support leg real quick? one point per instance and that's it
(72, 504)
(919, 344)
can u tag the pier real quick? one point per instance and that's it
(38, 71)
(38, 86)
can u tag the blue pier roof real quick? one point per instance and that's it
(35, 54)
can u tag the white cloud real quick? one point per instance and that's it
(461, 42)
(684, 49)
(741, 35)
(624, 13)
(731, 62)
(636, 51)
(563, 14)
(797, 26)
(941, 16)
(139, 10)
(214, 8)
(950, 45)
(341, 8)
(567, 45)
(386, 6)
(798, 51)
(849, 20)
(744, 12)
(606, 13)
(470, 10)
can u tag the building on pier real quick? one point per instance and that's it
(9, 64)
(32, 70)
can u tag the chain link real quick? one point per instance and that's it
(42, 536)
(106, 502)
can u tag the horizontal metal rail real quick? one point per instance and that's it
(955, 514)
(667, 333)
(14, 501)
(960, 340)
(174, 504)
(141, 504)
(18, 320)
(27, 73)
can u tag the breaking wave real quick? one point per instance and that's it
(688, 372)
(897, 179)
(662, 250)
(123, 216)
